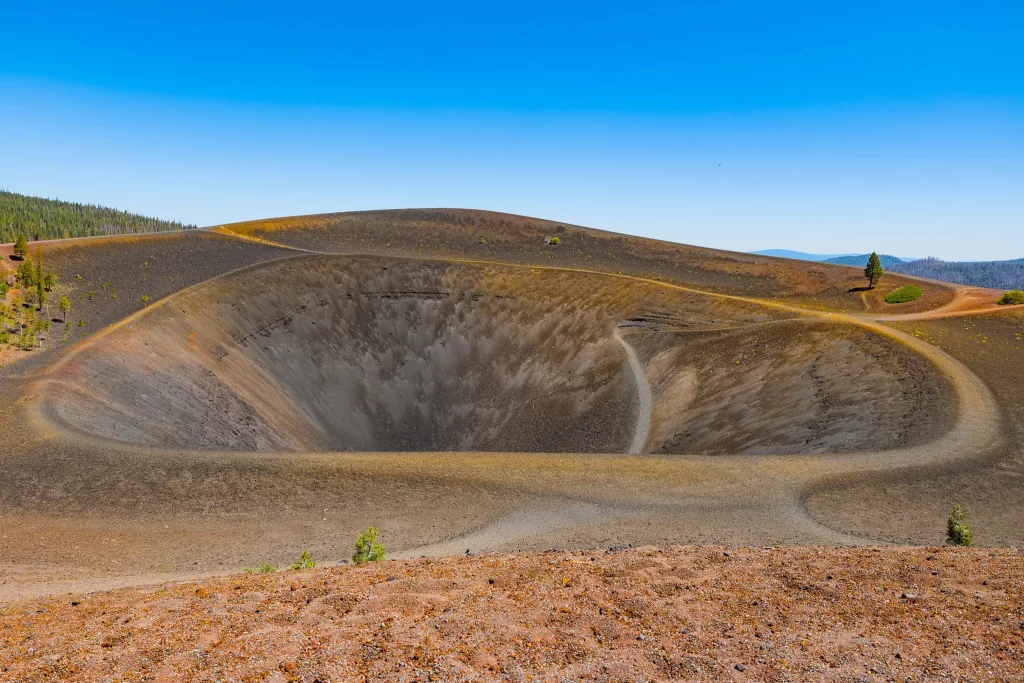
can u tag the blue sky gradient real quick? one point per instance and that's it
(735, 125)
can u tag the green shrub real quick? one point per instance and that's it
(958, 532)
(903, 294)
(367, 547)
(552, 240)
(1011, 298)
(265, 568)
(305, 561)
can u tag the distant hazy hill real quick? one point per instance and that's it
(40, 219)
(994, 274)
(888, 262)
(799, 255)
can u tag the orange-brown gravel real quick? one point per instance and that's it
(692, 613)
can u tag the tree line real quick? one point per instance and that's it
(993, 274)
(41, 219)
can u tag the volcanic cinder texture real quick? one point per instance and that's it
(673, 614)
(371, 354)
(456, 380)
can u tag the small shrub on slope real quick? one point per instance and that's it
(903, 294)
(265, 568)
(958, 532)
(305, 561)
(367, 547)
(1012, 298)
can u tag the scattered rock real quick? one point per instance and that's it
(740, 667)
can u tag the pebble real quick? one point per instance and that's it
(740, 667)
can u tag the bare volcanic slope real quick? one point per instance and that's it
(201, 432)
(343, 353)
(693, 614)
(105, 278)
(991, 345)
(507, 238)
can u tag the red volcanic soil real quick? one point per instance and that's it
(693, 613)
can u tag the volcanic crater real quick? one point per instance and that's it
(356, 353)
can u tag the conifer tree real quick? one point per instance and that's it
(26, 275)
(873, 270)
(65, 305)
(40, 279)
(20, 245)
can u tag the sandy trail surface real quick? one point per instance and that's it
(966, 301)
(643, 397)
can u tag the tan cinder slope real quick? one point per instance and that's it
(202, 434)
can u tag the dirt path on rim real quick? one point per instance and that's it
(644, 402)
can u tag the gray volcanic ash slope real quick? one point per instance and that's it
(336, 353)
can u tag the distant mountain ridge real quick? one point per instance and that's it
(798, 255)
(887, 261)
(41, 219)
(992, 274)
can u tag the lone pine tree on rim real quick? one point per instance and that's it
(873, 270)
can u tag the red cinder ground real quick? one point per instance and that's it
(682, 613)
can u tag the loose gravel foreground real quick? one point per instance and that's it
(681, 613)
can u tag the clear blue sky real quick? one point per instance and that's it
(824, 127)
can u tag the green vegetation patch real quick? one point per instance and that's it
(368, 549)
(305, 561)
(958, 531)
(903, 294)
(1012, 298)
(41, 219)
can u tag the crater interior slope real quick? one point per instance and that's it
(462, 384)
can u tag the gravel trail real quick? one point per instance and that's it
(643, 397)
